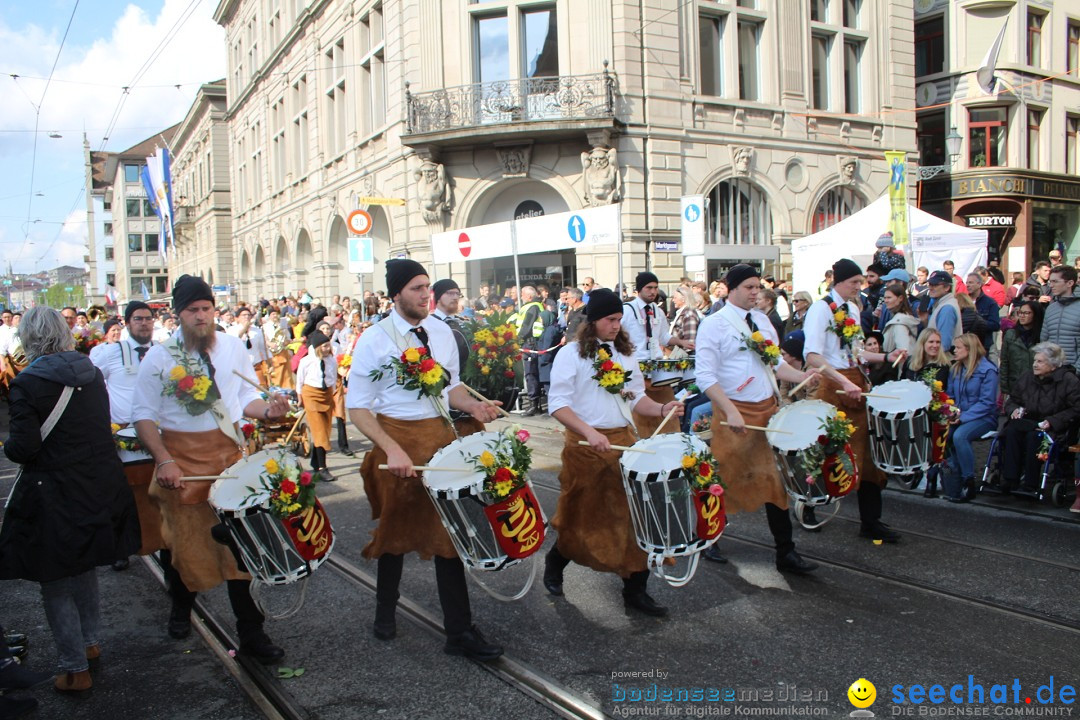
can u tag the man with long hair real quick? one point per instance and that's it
(196, 434)
(593, 516)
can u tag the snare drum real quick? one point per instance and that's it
(801, 423)
(129, 435)
(489, 533)
(274, 551)
(666, 372)
(900, 433)
(664, 511)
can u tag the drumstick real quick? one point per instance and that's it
(251, 382)
(664, 421)
(899, 358)
(624, 448)
(483, 399)
(797, 388)
(207, 478)
(427, 468)
(758, 427)
(299, 417)
(872, 395)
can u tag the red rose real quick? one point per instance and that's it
(508, 335)
(608, 365)
(305, 478)
(822, 440)
(476, 346)
(503, 474)
(288, 487)
(849, 321)
(422, 350)
(427, 364)
(247, 429)
(704, 469)
(768, 343)
(185, 383)
(509, 373)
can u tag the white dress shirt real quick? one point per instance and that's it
(227, 355)
(573, 386)
(6, 333)
(722, 358)
(308, 371)
(644, 348)
(120, 383)
(375, 348)
(253, 337)
(818, 329)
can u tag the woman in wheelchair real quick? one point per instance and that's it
(1042, 400)
(973, 385)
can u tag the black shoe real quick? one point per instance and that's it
(641, 600)
(471, 644)
(18, 651)
(931, 491)
(179, 623)
(12, 708)
(384, 630)
(961, 499)
(553, 576)
(713, 555)
(16, 638)
(879, 531)
(14, 676)
(262, 650)
(326, 475)
(533, 411)
(121, 564)
(793, 562)
(346, 451)
(970, 491)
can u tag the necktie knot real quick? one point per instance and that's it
(750, 323)
(606, 348)
(421, 333)
(141, 351)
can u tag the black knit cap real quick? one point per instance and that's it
(316, 339)
(845, 270)
(739, 274)
(399, 272)
(643, 278)
(442, 286)
(602, 302)
(132, 307)
(189, 289)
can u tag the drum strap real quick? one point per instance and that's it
(730, 313)
(218, 409)
(387, 325)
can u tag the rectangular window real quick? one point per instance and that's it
(492, 49)
(209, 167)
(336, 103)
(1072, 133)
(131, 173)
(712, 55)
(238, 66)
(134, 207)
(851, 13)
(1072, 56)
(148, 209)
(253, 46)
(929, 46)
(852, 92)
(819, 64)
(749, 82)
(373, 70)
(110, 278)
(539, 44)
(277, 120)
(134, 242)
(108, 228)
(819, 11)
(108, 252)
(747, 3)
(161, 284)
(987, 132)
(1034, 147)
(256, 164)
(1034, 38)
(300, 127)
(930, 129)
(150, 242)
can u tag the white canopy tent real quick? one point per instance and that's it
(933, 241)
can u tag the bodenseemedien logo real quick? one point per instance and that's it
(862, 694)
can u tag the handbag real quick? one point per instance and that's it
(46, 429)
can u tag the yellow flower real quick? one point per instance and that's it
(202, 384)
(412, 355)
(485, 370)
(481, 352)
(487, 459)
(602, 354)
(178, 373)
(509, 362)
(293, 508)
(431, 377)
(688, 461)
(937, 385)
(838, 316)
(199, 395)
(841, 415)
(114, 427)
(757, 336)
(502, 489)
(772, 351)
(851, 429)
(271, 466)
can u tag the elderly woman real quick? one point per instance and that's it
(70, 510)
(800, 303)
(1042, 400)
(685, 324)
(973, 385)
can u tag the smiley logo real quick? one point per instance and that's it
(862, 693)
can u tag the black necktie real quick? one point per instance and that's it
(751, 324)
(213, 392)
(322, 373)
(422, 334)
(141, 351)
(606, 348)
(648, 320)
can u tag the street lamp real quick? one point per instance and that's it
(952, 146)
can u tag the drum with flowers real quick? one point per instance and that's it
(900, 427)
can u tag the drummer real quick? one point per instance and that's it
(202, 443)
(647, 328)
(839, 364)
(742, 385)
(119, 363)
(253, 340)
(407, 428)
(317, 377)
(278, 354)
(593, 515)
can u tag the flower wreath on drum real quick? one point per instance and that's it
(288, 492)
(943, 411)
(831, 458)
(125, 441)
(707, 489)
(514, 514)
(416, 370)
(764, 348)
(191, 388)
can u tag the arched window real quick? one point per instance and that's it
(739, 214)
(837, 204)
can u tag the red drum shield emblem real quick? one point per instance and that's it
(838, 481)
(517, 523)
(310, 532)
(711, 517)
(939, 434)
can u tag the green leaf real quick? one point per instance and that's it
(298, 672)
(285, 673)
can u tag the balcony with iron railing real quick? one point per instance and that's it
(545, 107)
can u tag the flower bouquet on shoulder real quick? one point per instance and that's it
(513, 511)
(611, 375)
(764, 348)
(414, 369)
(831, 459)
(707, 490)
(191, 387)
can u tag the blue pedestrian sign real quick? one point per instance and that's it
(693, 212)
(576, 228)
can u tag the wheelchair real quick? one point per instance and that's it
(1055, 477)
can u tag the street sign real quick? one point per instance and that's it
(464, 245)
(576, 228)
(666, 246)
(380, 201)
(359, 222)
(361, 255)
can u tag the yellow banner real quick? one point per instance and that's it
(898, 215)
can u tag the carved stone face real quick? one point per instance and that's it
(742, 160)
(598, 159)
(430, 173)
(848, 171)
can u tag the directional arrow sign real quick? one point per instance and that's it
(576, 228)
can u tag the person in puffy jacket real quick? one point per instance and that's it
(973, 385)
(1061, 322)
(1044, 399)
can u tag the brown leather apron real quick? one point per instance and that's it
(319, 404)
(647, 425)
(746, 462)
(856, 412)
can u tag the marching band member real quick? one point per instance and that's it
(189, 387)
(447, 296)
(593, 516)
(407, 427)
(736, 371)
(253, 340)
(838, 360)
(647, 327)
(317, 378)
(278, 355)
(119, 364)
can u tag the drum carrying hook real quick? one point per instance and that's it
(508, 598)
(256, 595)
(656, 564)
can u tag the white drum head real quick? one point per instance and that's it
(235, 493)
(914, 395)
(128, 433)
(667, 453)
(802, 420)
(456, 455)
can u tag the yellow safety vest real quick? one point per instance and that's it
(538, 324)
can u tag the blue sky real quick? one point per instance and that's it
(107, 44)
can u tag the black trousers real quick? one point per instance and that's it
(249, 619)
(532, 375)
(450, 579)
(869, 503)
(780, 527)
(1020, 445)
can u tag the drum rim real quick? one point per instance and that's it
(473, 488)
(631, 457)
(830, 410)
(281, 455)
